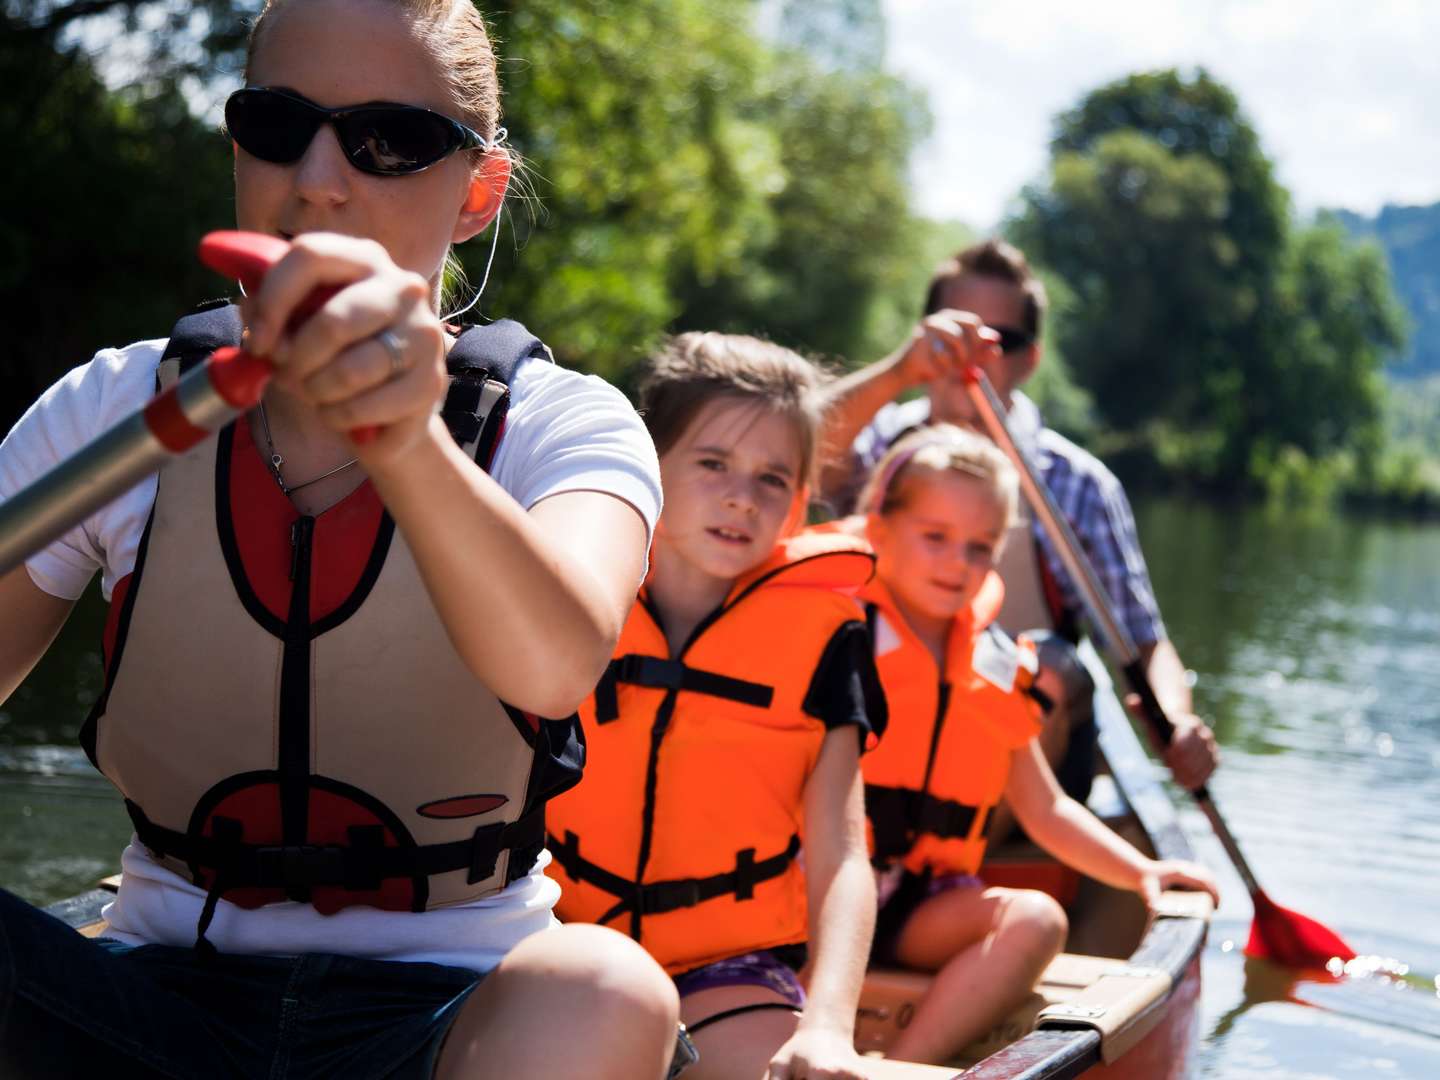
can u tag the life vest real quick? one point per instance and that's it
(283, 710)
(685, 830)
(931, 784)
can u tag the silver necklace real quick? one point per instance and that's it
(275, 461)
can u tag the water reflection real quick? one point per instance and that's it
(1315, 642)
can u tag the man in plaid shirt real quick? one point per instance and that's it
(985, 307)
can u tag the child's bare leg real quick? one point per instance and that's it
(987, 947)
(737, 1047)
(616, 1008)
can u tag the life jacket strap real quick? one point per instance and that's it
(360, 865)
(665, 674)
(659, 897)
(898, 814)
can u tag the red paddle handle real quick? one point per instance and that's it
(240, 377)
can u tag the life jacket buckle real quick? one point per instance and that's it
(300, 865)
(652, 671)
(661, 896)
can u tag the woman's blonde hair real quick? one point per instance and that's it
(940, 448)
(455, 34)
(691, 370)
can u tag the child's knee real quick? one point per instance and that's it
(1035, 921)
(627, 983)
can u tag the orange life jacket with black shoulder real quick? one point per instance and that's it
(931, 784)
(686, 827)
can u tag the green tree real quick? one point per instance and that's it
(842, 243)
(107, 202)
(1203, 318)
(1139, 236)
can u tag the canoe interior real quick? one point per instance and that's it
(1120, 1002)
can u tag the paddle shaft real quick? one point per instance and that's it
(1097, 601)
(201, 402)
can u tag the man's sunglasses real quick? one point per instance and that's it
(379, 138)
(1012, 339)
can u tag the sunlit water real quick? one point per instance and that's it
(1317, 645)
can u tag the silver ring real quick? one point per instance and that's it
(396, 349)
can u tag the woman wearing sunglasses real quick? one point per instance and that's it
(341, 675)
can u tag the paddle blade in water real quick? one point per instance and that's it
(1289, 938)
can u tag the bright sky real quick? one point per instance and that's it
(1345, 93)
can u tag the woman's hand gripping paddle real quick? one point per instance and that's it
(247, 257)
(199, 403)
(1277, 933)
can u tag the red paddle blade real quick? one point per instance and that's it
(1289, 938)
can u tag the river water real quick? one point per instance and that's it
(1316, 641)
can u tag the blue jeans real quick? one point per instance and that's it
(73, 1007)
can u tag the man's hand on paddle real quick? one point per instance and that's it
(943, 345)
(1193, 752)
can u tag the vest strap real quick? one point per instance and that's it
(659, 897)
(899, 813)
(664, 674)
(360, 865)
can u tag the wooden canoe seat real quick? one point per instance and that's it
(889, 997)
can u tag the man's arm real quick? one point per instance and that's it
(940, 345)
(1100, 513)
(1192, 754)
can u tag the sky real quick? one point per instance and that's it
(1345, 94)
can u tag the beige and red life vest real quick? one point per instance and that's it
(933, 781)
(685, 829)
(284, 712)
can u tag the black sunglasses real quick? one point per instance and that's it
(379, 138)
(1012, 339)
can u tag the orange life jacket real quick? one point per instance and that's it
(933, 780)
(689, 818)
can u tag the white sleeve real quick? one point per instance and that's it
(573, 432)
(81, 405)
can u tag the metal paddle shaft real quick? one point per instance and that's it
(1097, 601)
(199, 404)
(205, 400)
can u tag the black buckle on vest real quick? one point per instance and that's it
(299, 866)
(651, 671)
(484, 852)
(745, 876)
(662, 896)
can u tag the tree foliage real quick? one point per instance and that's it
(1410, 236)
(1202, 314)
(106, 204)
(694, 175)
(686, 171)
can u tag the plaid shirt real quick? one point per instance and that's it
(1087, 493)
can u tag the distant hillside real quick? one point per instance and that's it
(1410, 236)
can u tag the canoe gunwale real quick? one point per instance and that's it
(1057, 1049)
(81, 911)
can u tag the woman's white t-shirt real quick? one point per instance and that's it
(564, 432)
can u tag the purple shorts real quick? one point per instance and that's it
(900, 893)
(772, 969)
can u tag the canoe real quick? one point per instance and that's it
(1122, 1002)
